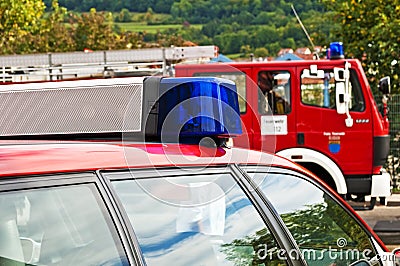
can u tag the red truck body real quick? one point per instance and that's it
(312, 130)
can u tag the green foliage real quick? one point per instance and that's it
(370, 32)
(261, 52)
(19, 19)
(54, 35)
(32, 31)
(224, 20)
(124, 16)
(256, 249)
(94, 30)
(230, 24)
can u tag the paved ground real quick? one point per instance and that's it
(385, 221)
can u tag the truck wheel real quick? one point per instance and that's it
(382, 201)
(372, 203)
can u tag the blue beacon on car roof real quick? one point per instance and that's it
(197, 108)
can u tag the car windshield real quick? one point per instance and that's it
(195, 219)
(324, 231)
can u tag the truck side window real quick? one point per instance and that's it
(274, 92)
(240, 80)
(321, 92)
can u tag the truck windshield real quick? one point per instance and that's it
(320, 92)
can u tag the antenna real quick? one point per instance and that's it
(305, 31)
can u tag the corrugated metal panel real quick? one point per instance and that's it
(73, 107)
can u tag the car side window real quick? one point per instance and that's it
(56, 225)
(208, 215)
(325, 232)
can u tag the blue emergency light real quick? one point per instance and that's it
(195, 107)
(335, 51)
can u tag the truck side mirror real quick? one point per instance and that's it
(313, 72)
(384, 85)
(340, 98)
(341, 74)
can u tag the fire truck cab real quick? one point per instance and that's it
(318, 113)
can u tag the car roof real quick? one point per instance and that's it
(40, 157)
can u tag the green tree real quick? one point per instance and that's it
(18, 19)
(182, 9)
(94, 30)
(53, 35)
(370, 32)
(320, 31)
(149, 15)
(124, 16)
(264, 35)
(261, 52)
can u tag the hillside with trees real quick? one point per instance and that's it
(261, 26)
(369, 29)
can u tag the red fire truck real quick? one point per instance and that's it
(322, 115)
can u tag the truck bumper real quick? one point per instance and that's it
(380, 185)
(381, 149)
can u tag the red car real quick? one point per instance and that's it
(83, 186)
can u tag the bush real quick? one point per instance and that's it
(124, 16)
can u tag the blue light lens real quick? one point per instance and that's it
(198, 107)
(336, 50)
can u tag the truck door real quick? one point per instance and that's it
(333, 118)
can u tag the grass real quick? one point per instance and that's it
(142, 27)
(138, 17)
(235, 56)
